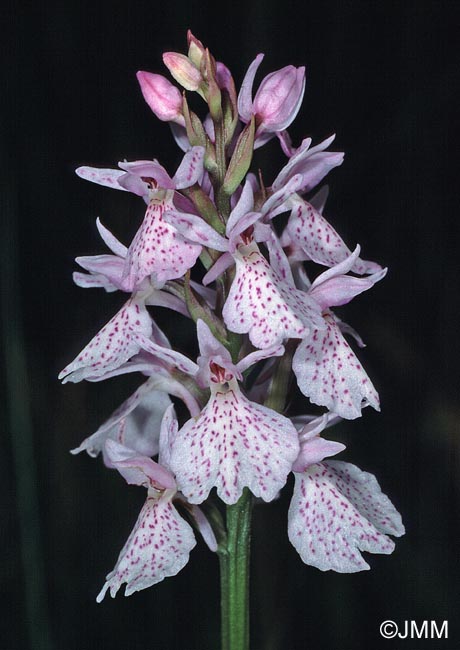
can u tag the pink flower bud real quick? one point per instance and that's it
(278, 99)
(183, 70)
(164, 99)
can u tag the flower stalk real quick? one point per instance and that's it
(234, 575)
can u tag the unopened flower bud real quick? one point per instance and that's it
(164, 99)
(276, 102)
(183, 70)
(195, 49)
(278, 99)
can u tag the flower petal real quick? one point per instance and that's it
(137, 469)
(310, 230)
(261, 304)
(113, 345)
(106, 177)
(108, 266)
(233, 444)
(336, 511)
(170, 357)
(329, 373)
(314, 451)
(158, 248)
(135, 424)
(158, 547)
(195, 229)
(245, 94)
(190, 170)
(110, 240)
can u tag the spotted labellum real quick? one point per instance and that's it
(261, 300)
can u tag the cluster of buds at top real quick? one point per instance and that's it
(261, 321)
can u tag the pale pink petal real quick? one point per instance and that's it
(233, 444)
(329, 373)
(168, 431)
(158, 547)
(245, 222)
(323, 245)
(245, 94)
(345, 328)
(106, 177)
(190, 170)
(222, 264)
(264, 306)
(113, 345)
(91, 281)
(263, 138)
(312, 165)
(180, 136)
(341, 289)
(158, 249)
(164, 299)
(244, 205)
(196, 230)
(170, 357)
(258, 355)
(279, 98)
(109, 266)
(336, 511)
(314, 450)
(341, 268)
(135, 424)
(110, 240)
(137, 469)
(208, 294)
(204, 527)
(145, 169)
(318, 201)
(278, 260)
(313, 425)
(276, 203)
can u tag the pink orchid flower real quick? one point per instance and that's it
(336, 511)
(325, 366)
(161, 540)
(157, 249)
(234, 443)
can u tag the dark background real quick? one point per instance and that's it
(382, 75)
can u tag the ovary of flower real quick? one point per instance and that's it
(337, 510)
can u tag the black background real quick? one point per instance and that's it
(383, 76)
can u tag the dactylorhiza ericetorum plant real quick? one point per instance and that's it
(260, 322)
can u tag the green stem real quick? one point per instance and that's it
(234, 575)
